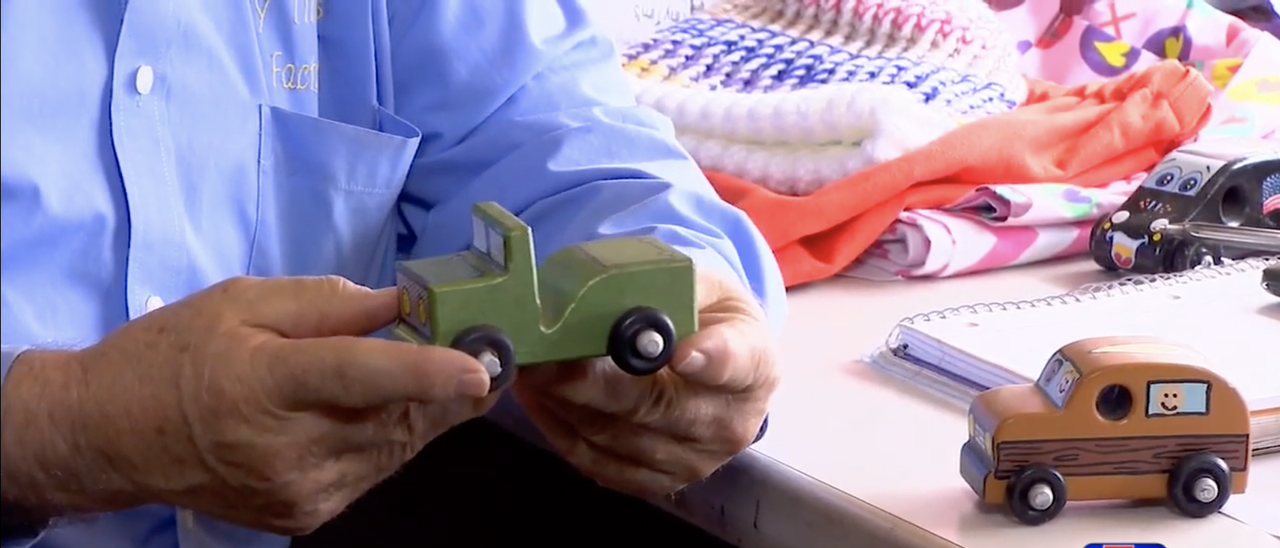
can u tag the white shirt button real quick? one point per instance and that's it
(153, 303)
(144, 79)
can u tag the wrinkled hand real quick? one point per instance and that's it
(653, 435)
(260, 402)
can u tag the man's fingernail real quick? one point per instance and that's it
(693, 363)
(472, 385)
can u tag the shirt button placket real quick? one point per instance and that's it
(144, 151)
(143, 79)
(152, 304)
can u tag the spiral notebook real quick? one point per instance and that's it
(1221, 311)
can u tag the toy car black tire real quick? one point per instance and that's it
(625, 333)
(1271, 279)
(1019, 490)
(1187, 473)
(1187, 256)
(478, 339)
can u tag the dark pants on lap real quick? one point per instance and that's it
(479, 486)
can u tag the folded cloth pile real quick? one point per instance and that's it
(1088, 136)
(1109, 38)
(999, 225)
(994, 226)
(795, 94)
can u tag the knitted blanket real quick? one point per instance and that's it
(794, 94)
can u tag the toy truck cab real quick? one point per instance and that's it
(627, 298)
(1119, 418)
(1216, 181)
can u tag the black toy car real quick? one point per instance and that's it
(1271, 279)
(1220, 181)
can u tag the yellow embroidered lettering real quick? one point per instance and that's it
(307, 11)
(294, 76)
(306, 76)
(260, 9)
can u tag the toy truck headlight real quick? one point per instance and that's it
(424, 318)
(406, 302)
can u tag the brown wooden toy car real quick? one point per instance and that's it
(1110, 418)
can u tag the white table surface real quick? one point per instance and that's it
(855, 458)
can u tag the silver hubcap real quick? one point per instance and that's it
(1205, 490)
(650, 344)
(492, 364)
(1040, 497)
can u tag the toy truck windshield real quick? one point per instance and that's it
(489, 230)
(1058, 379)
(484, 259)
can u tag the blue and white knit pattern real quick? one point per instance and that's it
(794, 114)
(727, 55)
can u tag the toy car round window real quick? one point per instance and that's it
(1189, 183)
(1165, 179)
(1114, 403)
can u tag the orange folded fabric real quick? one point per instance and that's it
(1085, 135)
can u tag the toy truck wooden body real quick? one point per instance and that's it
(629, 298)
(1116, 418)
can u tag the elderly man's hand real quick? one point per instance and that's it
(257, 401)
(653, 435)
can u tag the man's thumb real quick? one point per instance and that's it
(323, 306)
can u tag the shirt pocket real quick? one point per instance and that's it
(327, 194)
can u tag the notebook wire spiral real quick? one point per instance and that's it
(1101, 290)
(893, 357)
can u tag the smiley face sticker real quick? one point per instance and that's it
(1168, 399)
(1177, 398)
(1067, 380)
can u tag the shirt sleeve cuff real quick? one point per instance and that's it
(764, 427)
(16, 533)
(710, 259)
(7, 355)
(19, 535)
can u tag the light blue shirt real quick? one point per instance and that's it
(154, 147)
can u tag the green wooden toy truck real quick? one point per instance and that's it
(627, 298)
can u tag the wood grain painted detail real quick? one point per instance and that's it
(1118, 456)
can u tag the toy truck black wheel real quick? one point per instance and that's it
(1199, 485)
(1036, 494)
(1189, 255)
(492, 348)
(642, 341)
